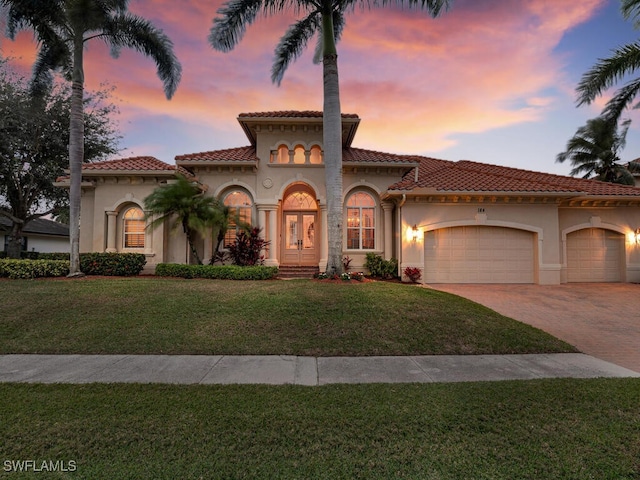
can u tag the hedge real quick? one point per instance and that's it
(57, 265)
(217, 272)
(117, 264)
(13, 268)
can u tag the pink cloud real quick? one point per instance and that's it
(415, 81)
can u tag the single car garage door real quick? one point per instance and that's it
(478, 254)
(595, 255)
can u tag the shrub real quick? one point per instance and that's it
(118, 264)
(217, 272)
(413, 273)
(13, 268)
(247, 249)
(379, 267)
(53, 256)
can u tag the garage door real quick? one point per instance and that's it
(595, 255)
(479, 255)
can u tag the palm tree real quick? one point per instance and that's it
(608, 71)
(62, 28)
(183, 203)
(594, 148)
(326, 18)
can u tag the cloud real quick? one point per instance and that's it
(417, 82)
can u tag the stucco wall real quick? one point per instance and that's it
(541, 220)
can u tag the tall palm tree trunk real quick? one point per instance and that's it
(76, 156)
(332, 139)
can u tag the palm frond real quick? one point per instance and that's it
(621, 100)
(631, 10)
(606, 72)
(231, 23)
(131, 31)
(293, 43)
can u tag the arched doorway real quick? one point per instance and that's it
(300, 235)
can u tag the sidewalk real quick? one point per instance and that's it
(310, 371)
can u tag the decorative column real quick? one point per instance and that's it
(388, 230)
(112, 218)
(324, 239)
(271, 212)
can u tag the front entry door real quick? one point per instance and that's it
(299, 246)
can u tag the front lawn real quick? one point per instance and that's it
(540, 429)
(174, 316)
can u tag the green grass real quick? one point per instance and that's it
(173, 316)
(542, 429)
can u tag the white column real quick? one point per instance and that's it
(324, 239)
(388, 230)
(272, 213)
(112, 218)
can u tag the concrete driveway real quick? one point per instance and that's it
(599, 319)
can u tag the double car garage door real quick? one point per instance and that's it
(479, 254)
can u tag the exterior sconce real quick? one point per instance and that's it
(415, 232)
(637, 235)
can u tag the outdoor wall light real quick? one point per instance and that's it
(414, 233)
(637, 235)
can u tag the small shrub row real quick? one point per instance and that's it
(39, 255)
(12, 268)
(117, 264)
(379, 267)
(217, 272)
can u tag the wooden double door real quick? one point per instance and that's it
(300, 245)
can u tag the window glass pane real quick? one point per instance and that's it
(368, 238)
(353, 238)
(299, 201)
(316, 154)
(353, 217)
(283, 154)
(134, 225)
(298, 155)
(367, 217)
(241, 207)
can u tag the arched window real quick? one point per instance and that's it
(283, 154)
(316, 155)
(299, 154)
(299, 201)
(240, 208)
(133, 228)
(361, 214)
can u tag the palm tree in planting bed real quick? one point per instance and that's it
(62, 28)
(594, 151)
(183, 203)
(326, 18)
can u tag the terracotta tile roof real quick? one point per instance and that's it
(291, 114)
(240, 154)
(131, 164)
(134, 164)
(351, 154)
(467, 176)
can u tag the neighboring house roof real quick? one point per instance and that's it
(229, 155)
(466, 176)
(38, 226)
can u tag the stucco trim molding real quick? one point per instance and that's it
(234, 183)
(594, 223)
(484, 222)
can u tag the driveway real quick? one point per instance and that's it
(599, 319)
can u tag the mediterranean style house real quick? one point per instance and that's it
(459, 222)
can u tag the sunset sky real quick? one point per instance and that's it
(491, 80)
